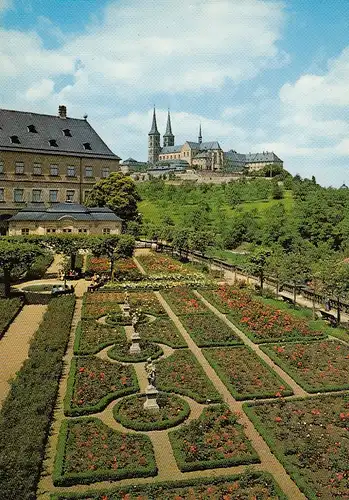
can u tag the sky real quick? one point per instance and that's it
(259, 75)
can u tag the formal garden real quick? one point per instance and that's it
(202, 387)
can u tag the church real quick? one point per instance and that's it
(203, 155)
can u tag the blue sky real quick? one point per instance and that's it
(258, 74)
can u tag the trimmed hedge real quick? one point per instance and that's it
(152, 426)
(39, 267)
(62, 478)
(27, 411)
(170, 489)
(9, 308)
(103, 402)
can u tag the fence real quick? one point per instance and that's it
(306, 292)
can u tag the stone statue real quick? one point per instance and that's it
(127, 299)
(151, 372)
(135, 319)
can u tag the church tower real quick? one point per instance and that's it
(154, 147)
(200, 135)
(168, 136)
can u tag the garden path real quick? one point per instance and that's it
(14, 345)
(55, 267)
(268, 460)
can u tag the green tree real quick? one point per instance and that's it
(68, 244)
(118, 192)
(277, 192)
(257, 262)
(14, 255)
(115, 247)
(274, 266)
(334, 276)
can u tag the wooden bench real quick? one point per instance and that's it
(329, 317)
(287, 299)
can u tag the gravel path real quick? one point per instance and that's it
(14, 345)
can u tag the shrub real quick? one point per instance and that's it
(9, 308)
(27, 411)
(39, 266)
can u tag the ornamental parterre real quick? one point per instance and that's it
(184, 301)
(216, 439)
(245, 374)
(316, 366)
(311, 438)
(162, 330)
(92, 336)
(261, 322)
(156, 263)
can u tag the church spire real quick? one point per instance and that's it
(200, 135)
(154, 127)
(168, 136)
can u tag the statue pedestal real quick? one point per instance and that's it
(126, 310)
(135, 347)
(150, 403)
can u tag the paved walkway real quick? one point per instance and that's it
(55, 267)
(14, 345)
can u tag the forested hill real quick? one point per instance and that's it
(257, 211)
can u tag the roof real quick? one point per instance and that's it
(129, 160)
(50, 127)
(59, 211)
(154, 127)
(168, 132)
(209, 145)
(171, 149)
(204, 154)
(266, 156)
(235, 157)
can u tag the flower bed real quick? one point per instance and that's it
(165, 283)
(155, 263)
(26, 413)
(208, 330)
(316, 366)
(9, 308)
(147, 302)
(184, 301)
(310, 438)
(98, 309)
(101, 296)
(162, 330)
(131, 414)
(121, 352)
(93, 383)
(249, 485)
(263, 323)
(181, 373)
(89, 451)
(214, 440)
(126, 269)
(245, 374)
(91, 336)
(97, 265)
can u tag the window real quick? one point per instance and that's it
(1, 167)
(53, 195)
(67, 230)
(105, 172)
(50, 230)
(2, 194)
(14, 139)
(18, 195)
(37, 169)
(25, 230)
(36, 195)
(106, 230)
(66, 132)
(19, 168)
(87, 145)
(70, 195)
(53, 143)
(88, 171)
(71, 171)
(32, 129)
(82, 230)
(54, 170)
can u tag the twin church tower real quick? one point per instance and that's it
(154, 146)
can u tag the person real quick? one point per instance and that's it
(327, 304)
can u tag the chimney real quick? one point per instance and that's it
(62, 112)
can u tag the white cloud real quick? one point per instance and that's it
(40, 91)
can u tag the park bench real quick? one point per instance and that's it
(287, 299)
(329, 317)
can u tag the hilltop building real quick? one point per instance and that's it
(48, 159)
(203, 155)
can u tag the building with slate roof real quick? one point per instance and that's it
(38, 218)
(46, 158)
(203, 155)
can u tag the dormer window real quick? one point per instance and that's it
(14, 139)
(66, 132)
(32, 129)
(53, 143)
(87, 145)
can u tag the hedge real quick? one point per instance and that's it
(9, 308)
(27, 411)
(163, 489)
(39, 267)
